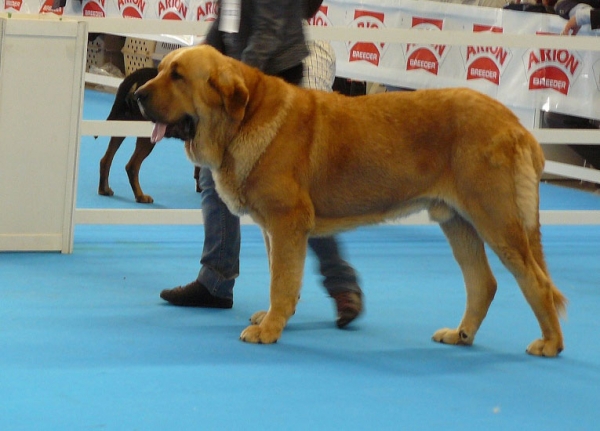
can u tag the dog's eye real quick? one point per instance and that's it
(175, 76)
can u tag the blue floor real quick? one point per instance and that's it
(88, 344)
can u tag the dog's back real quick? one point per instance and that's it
(125, 106)
(402, 146)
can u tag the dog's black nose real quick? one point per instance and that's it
(140, 95)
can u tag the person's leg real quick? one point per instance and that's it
(339, 278)
(220, 256)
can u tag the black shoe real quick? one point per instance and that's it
(349, 306)
(194, 294)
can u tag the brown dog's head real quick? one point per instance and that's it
(199, 96)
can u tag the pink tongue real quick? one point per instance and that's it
(158, 132)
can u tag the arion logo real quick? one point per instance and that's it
(553, 69)
(47, 8)
(172, 9)
(13, 4)
(486, 62)
(207, 11)
(132, 8)
(366, 51)
(425, 57)
(95, 8)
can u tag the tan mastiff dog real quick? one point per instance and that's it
(304, 162)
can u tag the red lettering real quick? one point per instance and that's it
(141, 4)
(498, 53)
(533, 60)
(178, 5)
(367, 25)
(572, 64)
(210, 11)
(561, 56)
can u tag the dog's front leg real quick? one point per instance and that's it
(287, 253)
(257, 317)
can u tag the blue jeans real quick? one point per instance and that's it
(221, 254)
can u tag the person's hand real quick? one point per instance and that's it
(571, 27)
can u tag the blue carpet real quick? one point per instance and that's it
(88, 344)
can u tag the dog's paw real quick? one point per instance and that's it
(144, 199)
(105, 192)
(452, 336)
(257, 317)
(259, 335)
(543, 347)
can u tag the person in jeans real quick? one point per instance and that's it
(268, 36)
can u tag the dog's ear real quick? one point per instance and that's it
(233, 91)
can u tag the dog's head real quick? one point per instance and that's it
(199, 96)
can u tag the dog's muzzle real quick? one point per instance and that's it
(184, 129)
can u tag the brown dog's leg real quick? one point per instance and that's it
(143, 148)
(553, 305)
(105, 164)
(520, 251)
(541, 294)
(257, 317)
(480, 283)
(286, 260)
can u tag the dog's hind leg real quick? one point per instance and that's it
(287, 253)
(560, 302)
(507, 218)
(553, 303)
(520, 250)
(143, 148)
(480, 284)
(105, 164)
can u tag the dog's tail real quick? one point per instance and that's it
(527, 179)
(527, 174)
(124, 101)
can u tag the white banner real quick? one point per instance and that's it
(559, 80)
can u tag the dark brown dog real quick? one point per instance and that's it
(125, 108)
